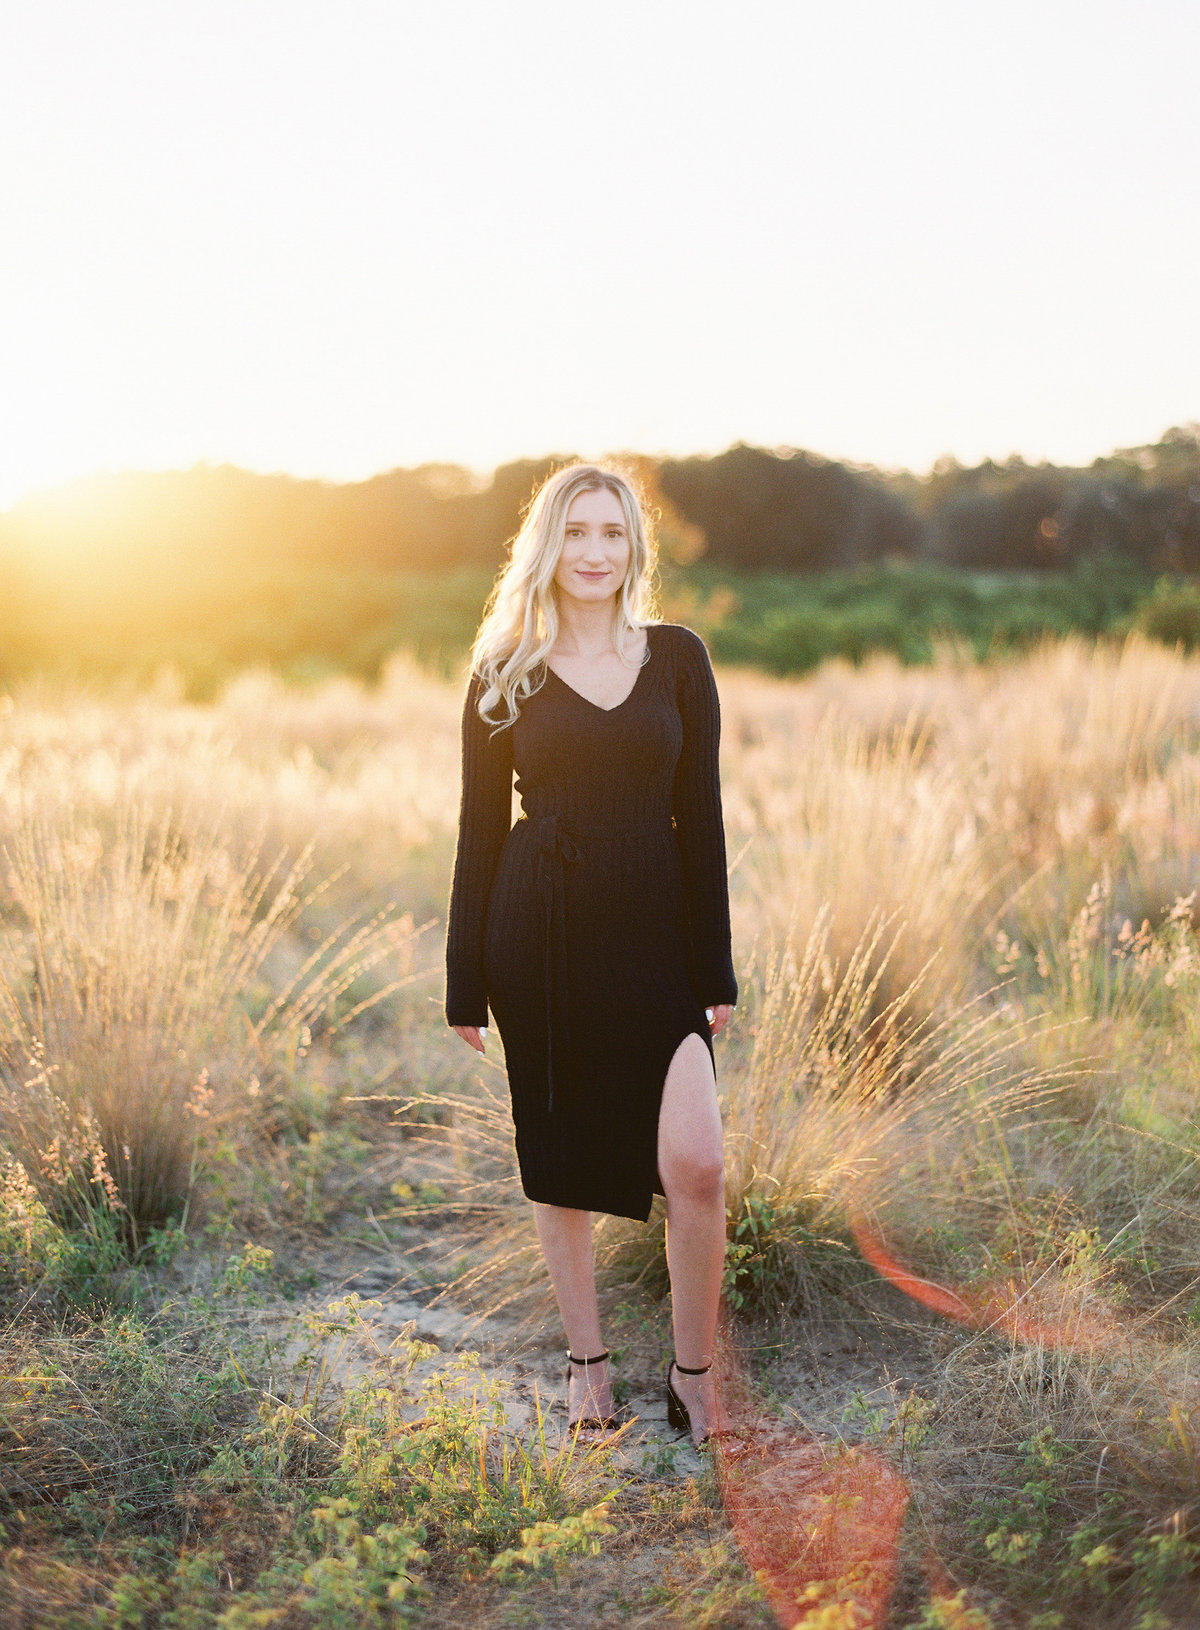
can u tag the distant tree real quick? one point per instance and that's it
(1000, 525)
(495, 514)
(789, 511)
(1142, 504)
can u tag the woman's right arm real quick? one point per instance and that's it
(484, 818)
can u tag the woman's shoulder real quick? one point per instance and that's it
(683, 642)
(678, 635)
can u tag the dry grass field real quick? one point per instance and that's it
(276, 1346)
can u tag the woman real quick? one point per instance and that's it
(597, 926)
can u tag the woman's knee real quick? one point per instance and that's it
(691, 1156)
(695, 1174)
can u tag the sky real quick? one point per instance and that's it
(336, 238)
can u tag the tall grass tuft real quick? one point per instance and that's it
(138, 1012)
(853, 828)
(838, 1096)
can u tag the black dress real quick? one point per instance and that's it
(596, 926)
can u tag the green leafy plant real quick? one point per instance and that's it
(764, 1237)
(362, 1579)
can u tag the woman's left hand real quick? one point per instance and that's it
(720, 1016)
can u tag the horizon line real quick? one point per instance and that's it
(484, 475)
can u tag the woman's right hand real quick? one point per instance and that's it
(472, 1034)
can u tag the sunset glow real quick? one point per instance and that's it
(332, 243)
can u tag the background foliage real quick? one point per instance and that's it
(781, 557)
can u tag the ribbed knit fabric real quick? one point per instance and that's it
(597, 926)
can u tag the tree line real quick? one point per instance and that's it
(793, 511)
(749, 508)
(215, 568)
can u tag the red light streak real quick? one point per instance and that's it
(819, 1523)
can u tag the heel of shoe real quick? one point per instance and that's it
(677, 1411)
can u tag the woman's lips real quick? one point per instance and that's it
(593, 575)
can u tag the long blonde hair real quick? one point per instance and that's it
(520, 621)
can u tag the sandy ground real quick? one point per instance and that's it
(702, 1554)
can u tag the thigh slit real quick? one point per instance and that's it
(706, 1038)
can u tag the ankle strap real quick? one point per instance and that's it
(683, 1370)
(599, 1359)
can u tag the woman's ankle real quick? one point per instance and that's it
(589, 1391)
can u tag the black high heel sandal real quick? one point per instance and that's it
(677, 1410)
(681, 1420)
(589, 1423)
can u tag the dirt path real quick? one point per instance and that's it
(836, 1378)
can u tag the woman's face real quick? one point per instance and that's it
(595, 551)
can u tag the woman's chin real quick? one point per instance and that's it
(588, 594)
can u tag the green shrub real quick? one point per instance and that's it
(789, 624)
(1172, 615)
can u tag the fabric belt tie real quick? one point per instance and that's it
(557, 847)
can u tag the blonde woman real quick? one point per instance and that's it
(596, 927)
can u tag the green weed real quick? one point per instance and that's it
(765, 1237)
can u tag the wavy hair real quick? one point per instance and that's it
(520, 620)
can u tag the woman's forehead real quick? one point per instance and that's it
(600, 506)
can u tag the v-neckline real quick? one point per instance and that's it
(629, 695)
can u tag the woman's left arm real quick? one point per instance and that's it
(696, 808)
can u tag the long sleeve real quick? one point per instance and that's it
(696, 809)
(485, 815)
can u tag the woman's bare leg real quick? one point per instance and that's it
(691, 1163)
(566, 1240)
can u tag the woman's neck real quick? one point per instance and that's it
(585, 630)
